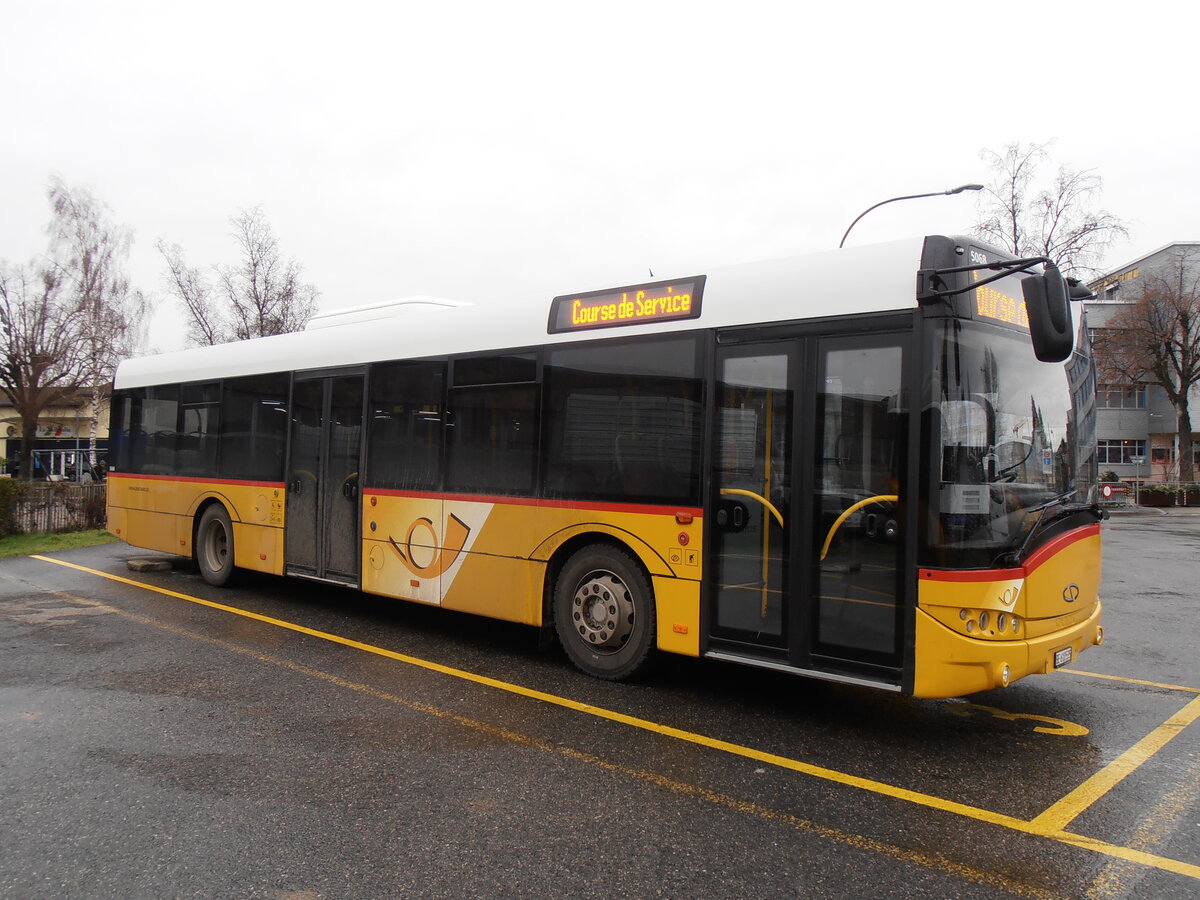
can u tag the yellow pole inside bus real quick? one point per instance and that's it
(766, 516)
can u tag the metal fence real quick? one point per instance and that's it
(44, 508)
(1147, 493)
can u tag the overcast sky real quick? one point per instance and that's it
(481, 151)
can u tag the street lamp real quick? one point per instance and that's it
(957, 190)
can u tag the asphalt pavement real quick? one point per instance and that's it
(282, 739)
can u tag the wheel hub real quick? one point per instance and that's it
(602, 611)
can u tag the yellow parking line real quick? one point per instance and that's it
(1045, 825)
(1153, 684)
(1117, 877)
(1069, 807)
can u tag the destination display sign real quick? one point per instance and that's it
(993, 303)
(1001, 301)
(660, 301)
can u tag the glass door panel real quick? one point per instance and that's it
(343, 526)
(861, 434)
(753, 493)
(308, 406)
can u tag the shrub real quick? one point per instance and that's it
(11, 491)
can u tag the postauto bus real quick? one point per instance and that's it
(872, 466)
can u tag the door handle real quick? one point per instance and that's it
(294, 487)
(739, 515)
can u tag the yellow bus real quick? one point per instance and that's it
(874, 466)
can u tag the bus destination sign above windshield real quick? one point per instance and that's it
(993, 303)
(996, 300)
(660, 301)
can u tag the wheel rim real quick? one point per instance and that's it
(602, 611)
(215, 546)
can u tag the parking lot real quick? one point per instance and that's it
(289, 740)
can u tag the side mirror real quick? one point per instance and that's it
(1050, 327)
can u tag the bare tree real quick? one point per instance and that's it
(1058, 220)
(1156, 339)
(89, 251)
(205, 325)
(262, 295)
(43, 348)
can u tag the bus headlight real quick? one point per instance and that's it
(984, 619)
(1005, 675)
(1002, 623)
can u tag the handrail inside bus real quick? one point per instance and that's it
(881, 498)
(759, 497)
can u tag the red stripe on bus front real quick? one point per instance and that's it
(1041, 555)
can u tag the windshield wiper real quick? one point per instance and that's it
(1013, 558)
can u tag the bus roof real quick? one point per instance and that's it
(874, 278)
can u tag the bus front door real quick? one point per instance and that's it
(806, 544)
(323, 528)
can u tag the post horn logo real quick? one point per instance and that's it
(1071, 593)
(457, 532)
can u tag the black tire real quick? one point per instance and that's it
(214, 545)
(604, 613)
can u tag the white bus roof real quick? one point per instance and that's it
(873, 278)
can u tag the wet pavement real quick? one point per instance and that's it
(281, 739)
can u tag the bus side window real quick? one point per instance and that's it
(160, 412)
(405, 425)
(125, 410)
(494, 419)
(254, 430)
(200, 414)
(624, 423)
(494, 439)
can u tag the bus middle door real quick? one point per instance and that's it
(323, 532)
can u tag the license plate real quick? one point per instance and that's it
(1062, 657)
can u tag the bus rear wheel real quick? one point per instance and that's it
(604, 613)
(214, 545)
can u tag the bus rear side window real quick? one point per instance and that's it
(159, 420)
(200, 407)
(254, 431)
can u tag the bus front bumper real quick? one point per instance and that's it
(949, 664)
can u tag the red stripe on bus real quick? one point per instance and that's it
(192, 480)
(530, 501)
(1041, 555)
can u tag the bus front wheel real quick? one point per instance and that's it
(604, 613)
(214, 545)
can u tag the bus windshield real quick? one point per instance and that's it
(1012, 440)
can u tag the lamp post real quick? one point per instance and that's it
(957, 190)
(1137, 477)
